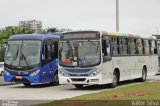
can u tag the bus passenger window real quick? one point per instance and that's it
(114, 46)
(106, 50)
(124, 46)
(120, 47)
(153, 47)
(48, 51)
(131, 46)
(54, 50)
(146, 46)
(139, 46)
(136, 46)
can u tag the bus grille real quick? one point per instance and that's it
(78, 79)
(79, 75)
(20, 80)
(79, 70)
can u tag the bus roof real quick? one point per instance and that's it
(115, 34)
(130, 35)
(35, 36)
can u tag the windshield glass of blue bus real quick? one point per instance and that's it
(12, 53)
(24, 53)
(79, 53)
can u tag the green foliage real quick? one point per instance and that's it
(51, 30)
(6, 33)
(2, 52)
(12, 30)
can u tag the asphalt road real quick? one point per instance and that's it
(1, 80)
(3, 83)
(50, 93)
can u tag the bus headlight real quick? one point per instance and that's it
(6, 73)
(35, 73)
(62, 73)
(96, 72)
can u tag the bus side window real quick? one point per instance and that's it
(155, 49)
(131, 46)
(106, 49)
(124, 46)
(54, 50)
(47, 51)
(114, 41)
(146, 46)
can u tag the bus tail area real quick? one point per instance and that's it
(95, 58)
(32, 58)
(158, 48)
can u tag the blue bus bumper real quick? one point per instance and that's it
(22, 79)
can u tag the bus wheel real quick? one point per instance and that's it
(56, 80)
(144, 75)
(2, 73)
(114, 81)
(27, 84)
(78, 86)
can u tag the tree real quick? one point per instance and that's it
(51, 30)
(6, 33)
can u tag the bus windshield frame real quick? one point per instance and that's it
(78, 53)
(23, 54)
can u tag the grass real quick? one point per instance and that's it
(123, 96)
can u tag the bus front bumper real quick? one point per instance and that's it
(22, 79)
(96, 80)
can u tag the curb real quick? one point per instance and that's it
(6, 84)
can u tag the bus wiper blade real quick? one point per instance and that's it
(25, 60)
(14, 58)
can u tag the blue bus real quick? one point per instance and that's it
(32, 58)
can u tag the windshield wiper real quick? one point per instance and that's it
(14, 58)
(24, 57)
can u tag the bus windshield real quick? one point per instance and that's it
(79, 53)
(23, 54)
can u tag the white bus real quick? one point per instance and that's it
(96, 57)
(158, 49)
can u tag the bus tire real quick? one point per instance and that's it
(78, 86)
(2, 73)
(56, 80)
(144, 74)
(27, 84)
(114, 80)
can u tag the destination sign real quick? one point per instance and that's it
(80, 35)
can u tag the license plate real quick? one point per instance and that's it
(18, 77)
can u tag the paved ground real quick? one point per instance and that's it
(3, 83)
(47, 92)
(1, 80)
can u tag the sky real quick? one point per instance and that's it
(136, 16)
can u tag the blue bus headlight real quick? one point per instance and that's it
(96, 72)
(6, 73)
(35, 72)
